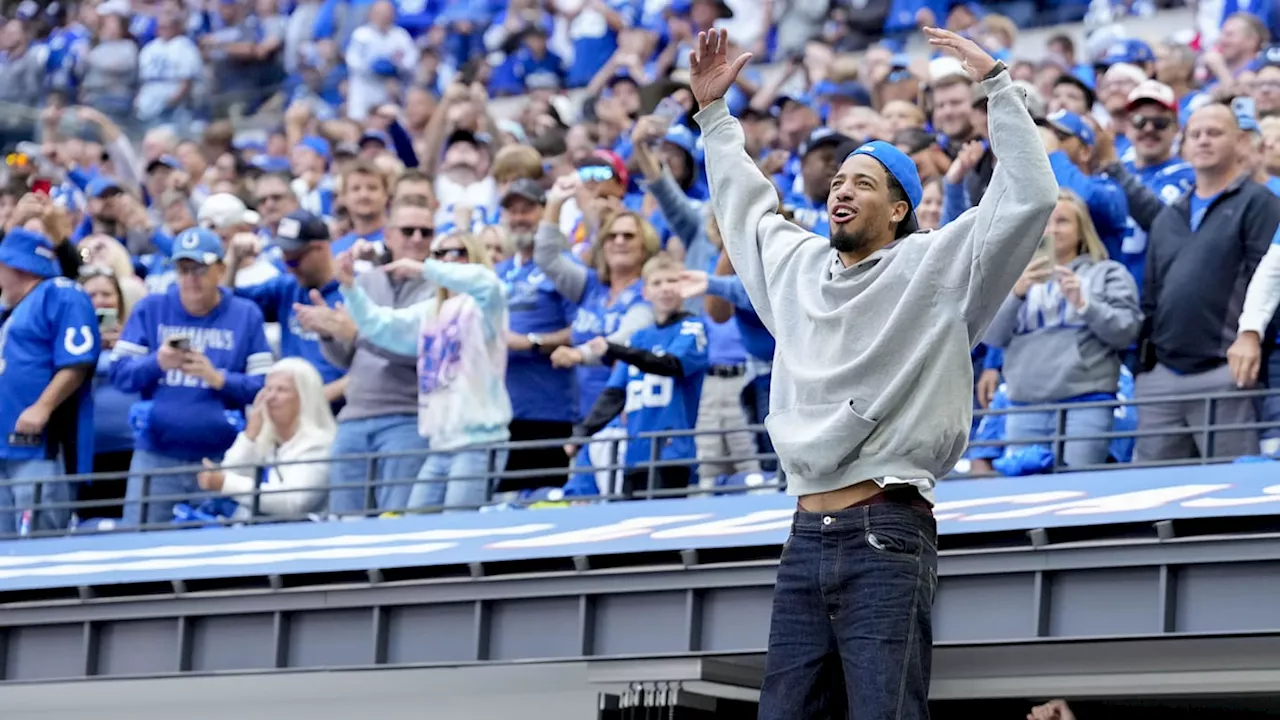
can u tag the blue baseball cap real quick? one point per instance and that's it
(1071, 125)
(822, 137)
(903, 169)
(101, 185)
(1131, 50)
(683, 138)
(29, 252)
(317, 145)
(198, 244)
(376, 136)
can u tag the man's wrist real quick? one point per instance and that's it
(995, 70)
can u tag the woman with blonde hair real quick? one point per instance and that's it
(279, 464)
(1064, 327)
(609, 299)
(460, 339)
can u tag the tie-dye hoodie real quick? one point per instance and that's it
(462, 352)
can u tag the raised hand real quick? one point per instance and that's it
(710, 73)
(345, 268)
(975, 60)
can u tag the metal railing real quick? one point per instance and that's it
(651, 469)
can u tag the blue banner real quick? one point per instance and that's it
(964, 507)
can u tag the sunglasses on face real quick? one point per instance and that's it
(595, 173)
(16, 160)
(1140, 122)
(452, 254)
(411, 230)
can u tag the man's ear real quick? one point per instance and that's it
(899, 211)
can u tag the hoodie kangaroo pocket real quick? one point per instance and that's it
(814, 440)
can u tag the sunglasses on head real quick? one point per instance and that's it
(1140, 122)
(88, 272)
(595, 173)
(411, 230)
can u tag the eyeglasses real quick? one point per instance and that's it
(192, 270)
(452, 254)
(411, 230)
(595, 173)
(1140, 122)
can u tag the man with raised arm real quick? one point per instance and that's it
(872, 383)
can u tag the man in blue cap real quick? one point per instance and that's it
(872, 382)
(198, 356)
(1070, 140)
(48, 347)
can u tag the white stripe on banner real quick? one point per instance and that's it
(267, 546)
(224, 561)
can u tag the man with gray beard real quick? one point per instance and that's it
(542, 397)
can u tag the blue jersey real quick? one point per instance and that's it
(52, 328)
(808, 214)
(598, 316)
(658, 402)
(348, 241)
(1169, 180)
(538, 391)
(276, 298)
(181, 416)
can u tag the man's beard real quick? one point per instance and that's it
(848, 242)
(522, 240)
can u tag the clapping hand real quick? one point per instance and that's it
(566, 186)
(598, 346)
(345, 268)
(710, 73)
(404, 268)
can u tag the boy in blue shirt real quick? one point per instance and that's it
(656, 383)
(198, 356)
(49, 345)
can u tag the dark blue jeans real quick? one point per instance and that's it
(852, 634)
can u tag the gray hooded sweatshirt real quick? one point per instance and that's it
(872, 378)
(1056, 352)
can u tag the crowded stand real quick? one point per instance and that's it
(292, 261)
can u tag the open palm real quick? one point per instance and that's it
(710, 73)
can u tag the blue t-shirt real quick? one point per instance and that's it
(658, 402)
(346, 242)
(1200, 206)
(52, 328)
(538, 391)
(276, 298)
(180, 416)
(590, 53)
(598, 316)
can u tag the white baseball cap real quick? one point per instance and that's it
(224, 210)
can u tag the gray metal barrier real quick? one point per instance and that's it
(615, 465)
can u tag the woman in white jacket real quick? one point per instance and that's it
(289, 425)
(459, 337)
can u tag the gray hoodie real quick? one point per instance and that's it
(872, 378)
(381, 383)
(1055, 352)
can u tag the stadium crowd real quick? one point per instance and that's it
(245, 239)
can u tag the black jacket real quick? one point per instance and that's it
(1195, 281)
